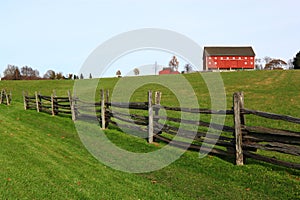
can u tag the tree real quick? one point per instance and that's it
(174, 63)
(17, 74)
(70, 76)
(276, 64)
(36, 73)
(296, 61)
(267, 59)
(136, 71)
(290, 64)
(118, 74)
(59, 76)
(9, 71)
(188, 68)
(50, 74)
(81, 76)
(90, 76)
(258, 64)
(29, 73)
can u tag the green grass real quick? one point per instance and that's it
(42, 157)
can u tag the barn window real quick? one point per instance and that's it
(240, 58)
(251, 58)
(245, 58)
(251, 63)
(221, 58)
(216, 63)
(216, 58)
(209, 58)
(246, 63)
(233, 58)
(227, 58)
(209, 63)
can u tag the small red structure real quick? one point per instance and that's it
(228, 58)
(168, 70)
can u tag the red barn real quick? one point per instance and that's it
(227, 58)
(168, 70)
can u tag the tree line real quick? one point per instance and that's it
(12, 72)
(274, 63)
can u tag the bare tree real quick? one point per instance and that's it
(9, 71)
(267, 59)
(290, 64)
(188, 68)
(29, 73)
(136, 71)
(258, 64)
(174, 63)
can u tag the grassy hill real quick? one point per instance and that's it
(42, 157)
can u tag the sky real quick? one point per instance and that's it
(61, 34)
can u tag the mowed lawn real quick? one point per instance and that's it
(42, 157)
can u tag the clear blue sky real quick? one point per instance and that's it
(59, 35)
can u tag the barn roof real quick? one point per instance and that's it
(229, 51)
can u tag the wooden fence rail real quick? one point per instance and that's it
(5, 97)
(50, 104)
(240, 140)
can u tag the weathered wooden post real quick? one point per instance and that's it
(107, 108)
(24, 100)
(150, 118)
(242, 106)
(40, 101)
(156, 109)
(52, 105)
(102, 109)
(55, 107)
(237, 129)
(1, 97)
(9, 97)
(37, 101)
(72, 106)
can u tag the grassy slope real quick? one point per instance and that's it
(42, 157)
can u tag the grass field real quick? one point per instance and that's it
(42, 157)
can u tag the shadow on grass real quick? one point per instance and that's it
(272, 167)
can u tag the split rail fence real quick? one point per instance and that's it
(144, 119)
(5, 97)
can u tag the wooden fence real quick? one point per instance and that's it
(50, 104)
(5, 97)
(144, 119)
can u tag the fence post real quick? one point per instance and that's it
(237, 129)
(242, 106)
(37, 102)
(156, 110)
(40, 101)
(107, 108)
(102, 109)
(55, 107)
(150, 117)
(72, 106)
(24, 100)
(10, 97)
(52, 105)
(7, 98)
(1, 96)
